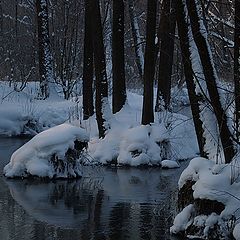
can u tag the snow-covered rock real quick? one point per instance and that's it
(52, 153)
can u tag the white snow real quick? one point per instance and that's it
(219, 182)
(236, 232)
(182, 220)
(34, 157)
(22, 113)
(169, 164)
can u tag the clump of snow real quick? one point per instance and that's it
(35, 157)
(183, 219)
(143, 145)
(216, 182)
(170, 164)
(236, 231)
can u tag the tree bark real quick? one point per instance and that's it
(200, 38)
(44, 56)
(149, 64)
(136, 38)
(88, 108)
(101, 102)
(118, 61)
(183, 30)
(167, 36)
(237, 68)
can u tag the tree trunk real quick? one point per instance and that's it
(136, 38)
(44, 56)
(101, 103)
(167, 36)
(119, 85)
(237, 68)
(149, 64)
(183, 31)
(200, 37)
(88, 109)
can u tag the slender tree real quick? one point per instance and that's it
(183, 31)
(149, 63)
(118, 62)
(101, 102)
(200, 38)
(45, 56)
(167, 35)
(237, 67)
(136, 37)
(88, 108)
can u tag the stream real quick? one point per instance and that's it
(107, 203)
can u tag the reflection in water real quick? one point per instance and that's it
(111, 204)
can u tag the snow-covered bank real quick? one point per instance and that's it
(22, 113)
(50, 154)
(218, 185)
(170, 138)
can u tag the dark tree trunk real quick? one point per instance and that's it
(237, 67)
(136, 38)
(88, 109)
(45, 56)
(167, 36)
(118, 61)
(149, 64)
(101, 102)
(199, 35)
(183, 30)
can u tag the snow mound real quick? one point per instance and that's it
(169, 164)
(214, 182)
(144, 145)
(51, 153)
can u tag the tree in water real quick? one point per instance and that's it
(44, 55)
(118, 61)
(237, 68)
(88, 108)
(149, 64)
(167, 35)
(101, 102)
(200, 38)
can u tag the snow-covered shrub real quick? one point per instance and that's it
(53, 153)
(144, 145)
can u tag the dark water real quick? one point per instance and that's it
(108, 203)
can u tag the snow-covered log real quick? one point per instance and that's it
(53, 153)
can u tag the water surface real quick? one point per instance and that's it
(108, 203)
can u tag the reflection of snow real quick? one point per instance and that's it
(75, 203)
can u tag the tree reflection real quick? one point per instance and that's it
(126, 204)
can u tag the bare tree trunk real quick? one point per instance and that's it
(101, 103)
(118, 60)
(45, 56)
(167, 36)
(136, 38)
(200, 38)
(149, 64)
(88, 109)
(237, 67)
(183, 31)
